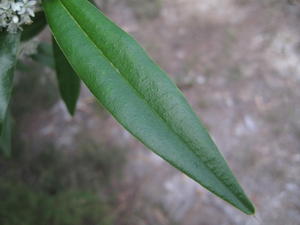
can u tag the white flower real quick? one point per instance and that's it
(15, 19)
(17, 6)
(13, 27)
(15, 13)
(27, 7)
(5, 4)
(3, 21)
(26, 19)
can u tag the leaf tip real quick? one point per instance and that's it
(248, 208)
(71, 109)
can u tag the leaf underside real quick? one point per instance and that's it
(140, 95)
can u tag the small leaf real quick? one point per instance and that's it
(5, 135)
(68, 81)
(44, 55)
(9, 44)
(38, 24)
(140, 95)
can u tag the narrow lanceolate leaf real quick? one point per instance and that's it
(140, 95)
(68, 81)
(38, 24)
(9, 44)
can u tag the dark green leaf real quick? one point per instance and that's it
(5, 135)
(93, 2)
(140, 95)
(44, 55)
(38, 24)
(68, 81)
(9, 44)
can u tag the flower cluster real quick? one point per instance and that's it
(15, 13)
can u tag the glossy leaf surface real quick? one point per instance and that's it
(9, 44)
(140, 95)
(68, 81)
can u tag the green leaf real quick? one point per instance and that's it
(68, 81)
(5, 135)
(38, 24)
(9, 44)
(44, 55)
(140, 95)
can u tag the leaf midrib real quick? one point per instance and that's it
(151, 108)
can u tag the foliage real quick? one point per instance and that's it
(134, 90)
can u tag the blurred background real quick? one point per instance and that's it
(238, 63)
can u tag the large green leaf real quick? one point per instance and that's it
(140, 95)
(38, 24)
(9, 44)
(68, 81)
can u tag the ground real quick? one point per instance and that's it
(237, 62)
